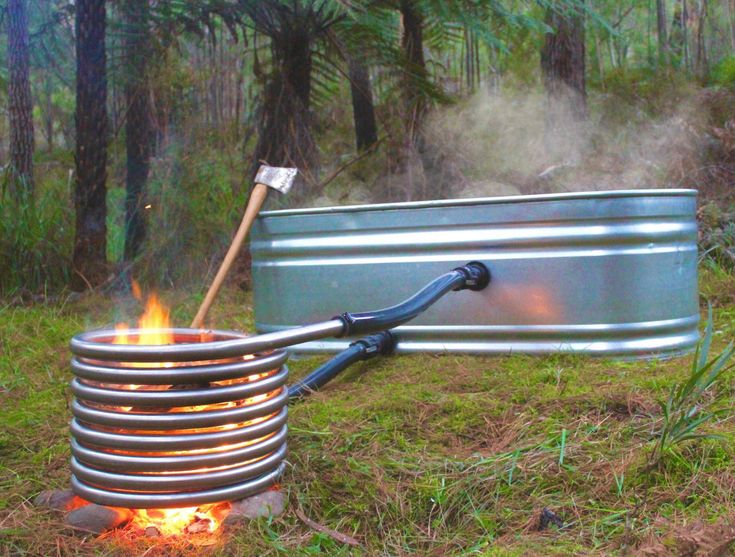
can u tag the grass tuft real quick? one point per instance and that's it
(689, 406)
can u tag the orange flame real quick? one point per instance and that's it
(155, 325)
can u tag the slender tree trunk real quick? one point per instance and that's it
(701, 45)
(563, 69)
(285, 135)
(90, 241)
(663, 41)
(600, 59)
(20, 107)
(730, 10)
(563, 61)
(239, 97)
(462, 59)
(649, 48)
(412, 157)
(363, 110)
(361, 91)
(685, 32)
(469, 60)
(137, 124)
(48, 114)
(476, 44)
(213, 78)
(412, 42)
(611, 51)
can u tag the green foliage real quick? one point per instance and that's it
(724, 72)
(194, 202)
(717, 236)
(654, 91)
(115, 224)
(692, 403)
(36, 237)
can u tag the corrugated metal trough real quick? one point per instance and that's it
(607, 273)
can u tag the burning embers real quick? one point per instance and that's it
(175, 423)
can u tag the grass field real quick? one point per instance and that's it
(419, 455)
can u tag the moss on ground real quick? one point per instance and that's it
(419, 455)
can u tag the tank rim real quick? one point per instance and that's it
(498, 200)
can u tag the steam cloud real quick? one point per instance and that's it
(505, 143)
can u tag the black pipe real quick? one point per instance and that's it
(473, 276)
(378, 344)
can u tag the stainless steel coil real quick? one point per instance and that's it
(176, 432)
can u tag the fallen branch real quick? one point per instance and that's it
(339, 536)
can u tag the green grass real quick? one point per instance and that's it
(411, 455)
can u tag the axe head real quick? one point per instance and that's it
(278, 178)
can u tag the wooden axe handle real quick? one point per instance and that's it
(257, 197)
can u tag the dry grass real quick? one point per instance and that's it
(413, 455)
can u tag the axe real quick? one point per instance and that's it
(279, 179)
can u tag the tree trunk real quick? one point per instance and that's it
(363, 109)
(563, 61)
(137, 124)
(730, 13)
(600, 60)
(20, 107)
(685, 32)
(663, 41)
(48, 114)
(285, 136)
(702, 64)
(90, 241)
(412, 43)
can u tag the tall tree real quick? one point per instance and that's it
(663, 41)
(363, 109)
(138, 129)
(90, 240)
(701, 54)
(285, 125)
(361, 93)
(20, 107)
(412, 44)
(563, 59)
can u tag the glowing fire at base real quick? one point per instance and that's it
(191, 520)
(168, 522)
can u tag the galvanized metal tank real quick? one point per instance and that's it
(607, 273)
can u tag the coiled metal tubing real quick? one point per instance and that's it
(203, 419)
(171, 433)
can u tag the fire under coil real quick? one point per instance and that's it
(176, 425)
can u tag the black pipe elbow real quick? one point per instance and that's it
(472, 276)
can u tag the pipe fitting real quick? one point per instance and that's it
(382, 343)
(379, 344)
(477, 276)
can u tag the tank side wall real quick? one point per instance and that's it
(609, 276)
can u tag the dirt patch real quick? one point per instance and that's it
(495, 434)
(696, 540)
(627, 405)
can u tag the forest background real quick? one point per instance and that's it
(131, 129)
